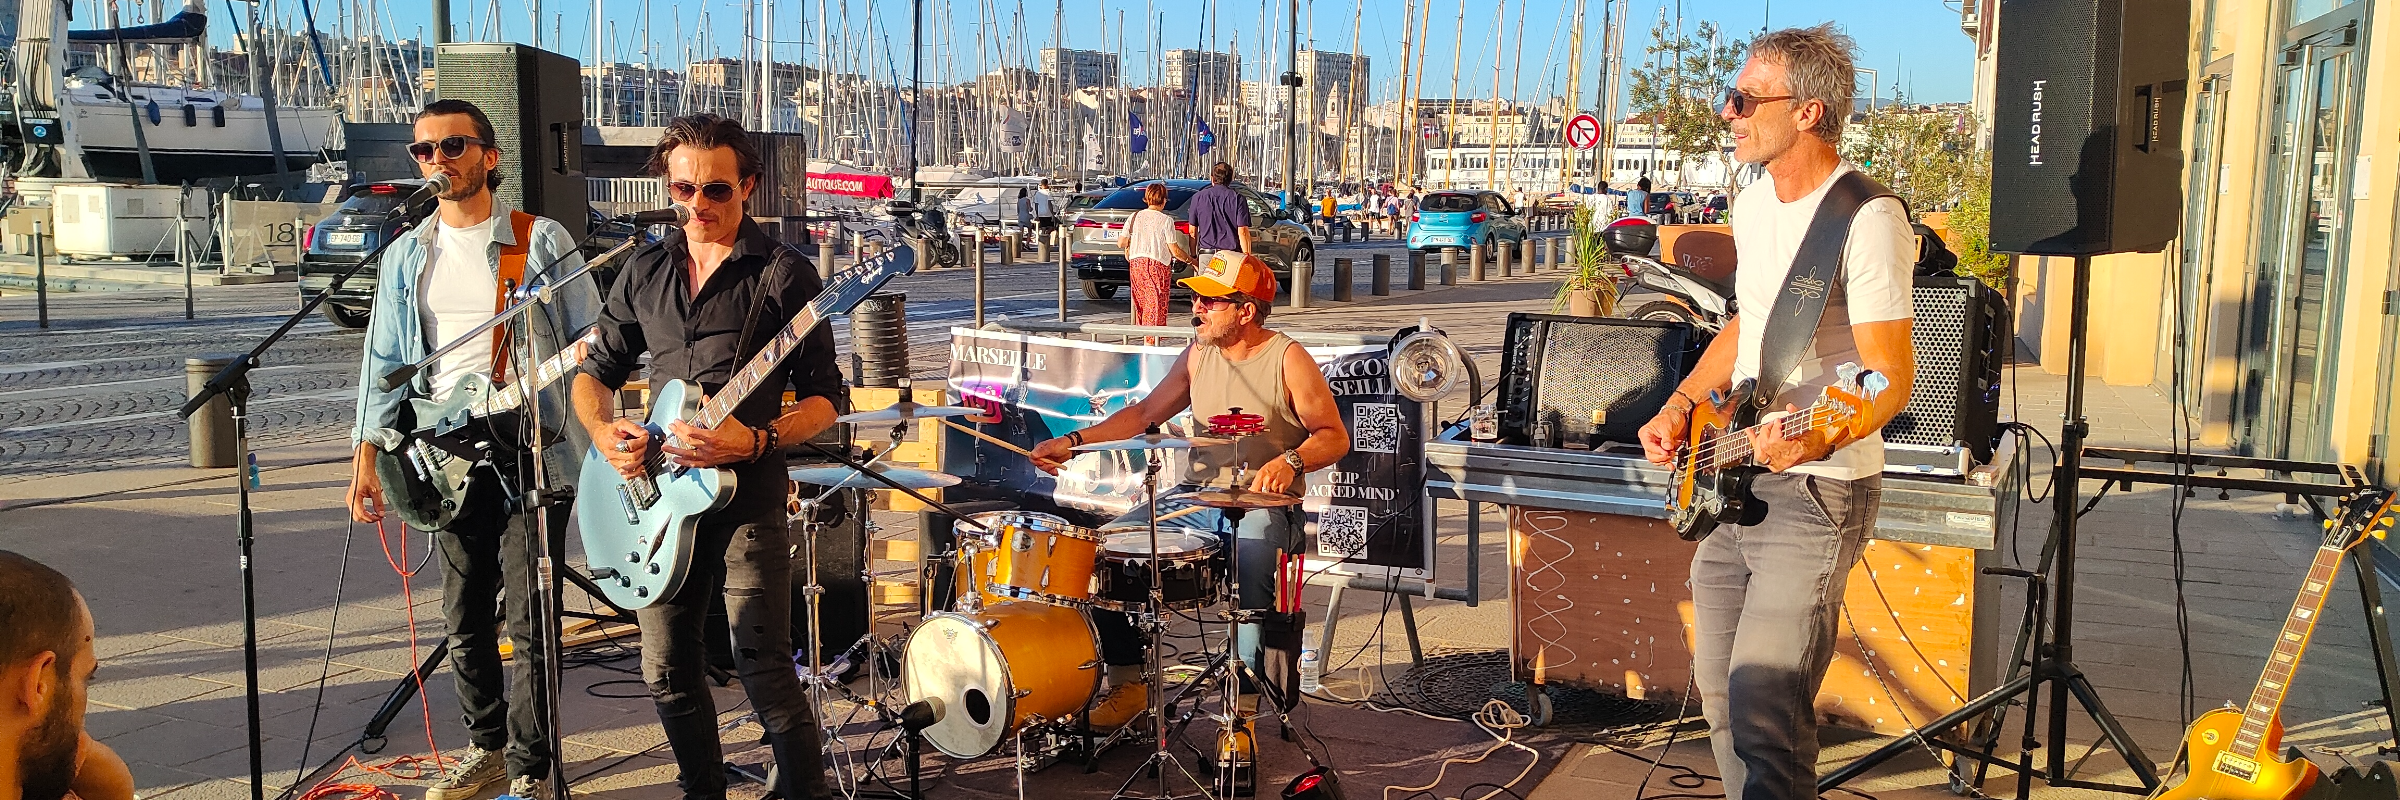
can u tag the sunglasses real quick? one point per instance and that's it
(1206, 302)
(451, 148)
(1744, 103)
(715, 191)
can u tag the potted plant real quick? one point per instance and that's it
(1590, 289)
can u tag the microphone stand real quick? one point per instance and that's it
(234, 383)
(526, 299)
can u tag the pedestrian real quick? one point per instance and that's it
(46, 663)
(1152, 247)
(1604, 204)
(1637, 201)
(1220, 219)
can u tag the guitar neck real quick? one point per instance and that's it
(1733, 447)
(760, 367)
(551, 369)
(2275, 681)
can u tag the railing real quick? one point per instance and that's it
(1166, 335)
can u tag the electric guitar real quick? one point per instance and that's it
(426, 474)
(1712, 469)
(2232, 751)
(638, 532)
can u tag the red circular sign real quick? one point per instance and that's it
(1583, 132)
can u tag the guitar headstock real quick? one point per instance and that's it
(1853, 391)
(2368, 513)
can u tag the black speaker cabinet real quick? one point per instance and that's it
(1584, 382)
(2087, 126)
(535, 100)
(1961, 340)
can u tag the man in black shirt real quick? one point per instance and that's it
(702, 301)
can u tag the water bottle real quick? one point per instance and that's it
(1309, 672)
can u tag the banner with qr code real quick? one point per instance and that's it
(1362, 510)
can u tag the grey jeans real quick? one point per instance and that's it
(1766, 603)
(1266, 535)
(488, 575)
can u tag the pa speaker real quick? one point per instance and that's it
(2087, 126)
(535, 100)
(1584, 382)
(1961, 338)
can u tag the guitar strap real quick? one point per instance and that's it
(758, 302)
(1792, 324)
(510, 275)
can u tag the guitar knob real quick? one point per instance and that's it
(641, 591)
(653, 569)
(633, 558)
(624, 580)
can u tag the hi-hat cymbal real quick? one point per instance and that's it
(1155, 441)
(1239, 498)
(905, 411)
(843, 477)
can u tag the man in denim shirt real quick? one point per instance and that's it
(432, 286)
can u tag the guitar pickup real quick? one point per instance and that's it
(2237, 766)
(633, 511)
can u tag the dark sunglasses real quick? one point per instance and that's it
(1205, 301)
(1744, 103)
(451, 146)
(715, 191)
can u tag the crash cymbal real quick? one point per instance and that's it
(1155, 441)
(905, 411)
(842, 477)
(1238, 498)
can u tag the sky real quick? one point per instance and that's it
(1914, 45)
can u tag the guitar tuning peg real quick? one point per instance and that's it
(1874, 383)
(1848, 373)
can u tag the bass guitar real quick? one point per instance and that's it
(426, 474)
(2232, 751)
(638, 532)
(1712, 469)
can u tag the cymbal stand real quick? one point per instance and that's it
(1160, 759)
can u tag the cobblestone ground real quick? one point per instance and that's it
(99, 388)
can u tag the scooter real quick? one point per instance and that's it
(1690, 298)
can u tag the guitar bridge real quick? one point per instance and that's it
(2237, 766)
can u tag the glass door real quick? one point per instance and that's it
(2304, 232)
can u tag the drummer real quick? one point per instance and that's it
(1234, 361)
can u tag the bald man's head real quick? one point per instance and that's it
(45, 664)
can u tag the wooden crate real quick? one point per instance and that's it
(922, 449)
(1601, 601)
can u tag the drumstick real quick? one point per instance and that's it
(989, 438)
(1173, 514)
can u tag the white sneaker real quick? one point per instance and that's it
(479, 769)
(529, 788)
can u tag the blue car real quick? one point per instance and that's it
(1464, 218)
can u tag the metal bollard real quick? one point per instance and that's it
(976, 260)
(1041, 248)
(1380, 283)
(1449, 275)
(1341, 279)
(1416, 270)
(1304, 275)
(1010, 246)
(1476, 256)
(212, 426)
(1525, 254)
(41, 278)
(825, 252)
(1066, 260)
(1505, 253)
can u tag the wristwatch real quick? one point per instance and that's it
(1292, 457)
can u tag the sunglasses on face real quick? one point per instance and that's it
(1204, 302)
(715, 191)
(451, 148)
(1744, 103)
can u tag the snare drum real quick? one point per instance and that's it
(1000, 669)
(1190, 576)
(1041, 558)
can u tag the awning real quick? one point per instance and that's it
(850, 184)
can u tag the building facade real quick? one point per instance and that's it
(1079, 69)
(1212, 75)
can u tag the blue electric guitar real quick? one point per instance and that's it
(426, 474)
(637, 533)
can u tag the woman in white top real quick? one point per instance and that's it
(1152, 246)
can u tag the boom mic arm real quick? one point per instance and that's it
(676, 215)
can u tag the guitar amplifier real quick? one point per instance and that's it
(1584, 382)
(1961, 338)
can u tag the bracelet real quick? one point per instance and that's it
(768, 438)
(1688, 399)
(1074, 438)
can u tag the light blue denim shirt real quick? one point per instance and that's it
(396, 334)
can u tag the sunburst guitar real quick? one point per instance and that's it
(1713, 468)
(2232, 751)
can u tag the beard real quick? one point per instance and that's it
(471, 180)
(51, 752)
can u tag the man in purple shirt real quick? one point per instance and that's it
(1220, 219)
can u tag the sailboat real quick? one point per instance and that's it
(80, 124)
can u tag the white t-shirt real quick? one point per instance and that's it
(1148, 233)
(453, 296)
(1874, 286)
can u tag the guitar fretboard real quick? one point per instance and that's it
(1733, 447)
(549, 370)
(844, 291)
(2275, 681)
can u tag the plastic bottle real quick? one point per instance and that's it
(1310, 672)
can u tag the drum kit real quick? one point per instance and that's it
(1015, 656)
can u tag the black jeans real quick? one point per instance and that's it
(744, 551)
(487, 570)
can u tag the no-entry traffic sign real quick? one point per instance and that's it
(1583, 132)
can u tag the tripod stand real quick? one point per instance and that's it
(2053, 663)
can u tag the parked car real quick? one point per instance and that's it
(336, 243)
(1274, 236)
(1464, 218)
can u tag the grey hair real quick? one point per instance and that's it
(1816, 65)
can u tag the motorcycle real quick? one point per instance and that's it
(1690, 298)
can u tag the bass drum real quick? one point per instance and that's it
(1000, 669)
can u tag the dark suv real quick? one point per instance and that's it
(348, 234)
(1100, 264)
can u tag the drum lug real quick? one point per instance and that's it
(1092, 664)
(1045, 577)
(1021, 694)
(988, 624)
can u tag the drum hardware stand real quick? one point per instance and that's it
(1159, 760)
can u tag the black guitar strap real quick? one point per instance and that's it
(1792, 324)
(758, 302)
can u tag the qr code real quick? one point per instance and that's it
(1375, 428)
(1342, 531)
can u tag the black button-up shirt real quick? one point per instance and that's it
(692, 337)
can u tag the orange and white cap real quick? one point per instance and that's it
(1227, 272)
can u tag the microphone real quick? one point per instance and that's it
(422, 201)
(921, 714)
(676, 215)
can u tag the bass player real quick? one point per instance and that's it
(701, 302)
(444, 279)
(1766, 597)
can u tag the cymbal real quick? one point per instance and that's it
(1155, 441)
(905, 411)
(1239, 498)
(843, 477)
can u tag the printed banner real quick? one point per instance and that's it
(1364, 509)
(850, 184)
